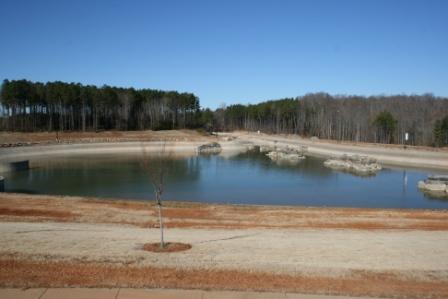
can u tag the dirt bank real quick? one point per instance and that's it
(22, 145)
(14, 146)
(42, 138)
(77, 241)
(41, 208)
(424, 157)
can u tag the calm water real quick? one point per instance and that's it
(249, 178)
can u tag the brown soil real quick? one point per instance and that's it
(354, 143)
(47, 213)
(168, 247)
(25, 272)
(23, 139)
(18, 273)
(36, 208)
(20, 139)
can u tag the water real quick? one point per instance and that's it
(249, 178)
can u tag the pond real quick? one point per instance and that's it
(247, 178)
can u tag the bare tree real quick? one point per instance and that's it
(156, 170)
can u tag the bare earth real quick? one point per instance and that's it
(18, 145)
(411, 156)
(19, 138)
(53, 241)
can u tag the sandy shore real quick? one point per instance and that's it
(368, 252)
(186, 142)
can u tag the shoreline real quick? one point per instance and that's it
(388, 155)
(186, 142)
(132, 147)
(195, 204)
(182, 214)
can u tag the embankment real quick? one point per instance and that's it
(389, 155)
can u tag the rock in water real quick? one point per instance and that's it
(266, 149)
(287, 155)
(209, 148)
(361, 165)
(434, 185)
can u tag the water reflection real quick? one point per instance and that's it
(311, 165)
(249, 178)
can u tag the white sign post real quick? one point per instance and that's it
(406, 138)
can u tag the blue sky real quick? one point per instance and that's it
(230, 51)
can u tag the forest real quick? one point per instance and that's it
(57, 106)
(379, 119)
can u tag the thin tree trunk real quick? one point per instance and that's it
(159, 207)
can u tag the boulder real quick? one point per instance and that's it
(209, 148)
(266, 148)
(436, 187)
(357, 164)
(434, 184)
(250, 147)
(421, 185)
(437, 179)
(286, 155)
(229, 138)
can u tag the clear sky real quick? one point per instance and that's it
(230, 51)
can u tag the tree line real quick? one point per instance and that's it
(380, 119)
(57, 106)
(51, 106)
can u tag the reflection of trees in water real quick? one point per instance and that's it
(179, 168)
(197, 178)
(91, 175)
(183, 169)
(311, 166)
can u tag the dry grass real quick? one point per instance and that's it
(33, 208)
(194, 213)
(19, 138)
(36, 208)
(17, 273)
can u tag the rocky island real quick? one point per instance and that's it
(435, 184)
(360, 165)
(209, 148)
(285, 155)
